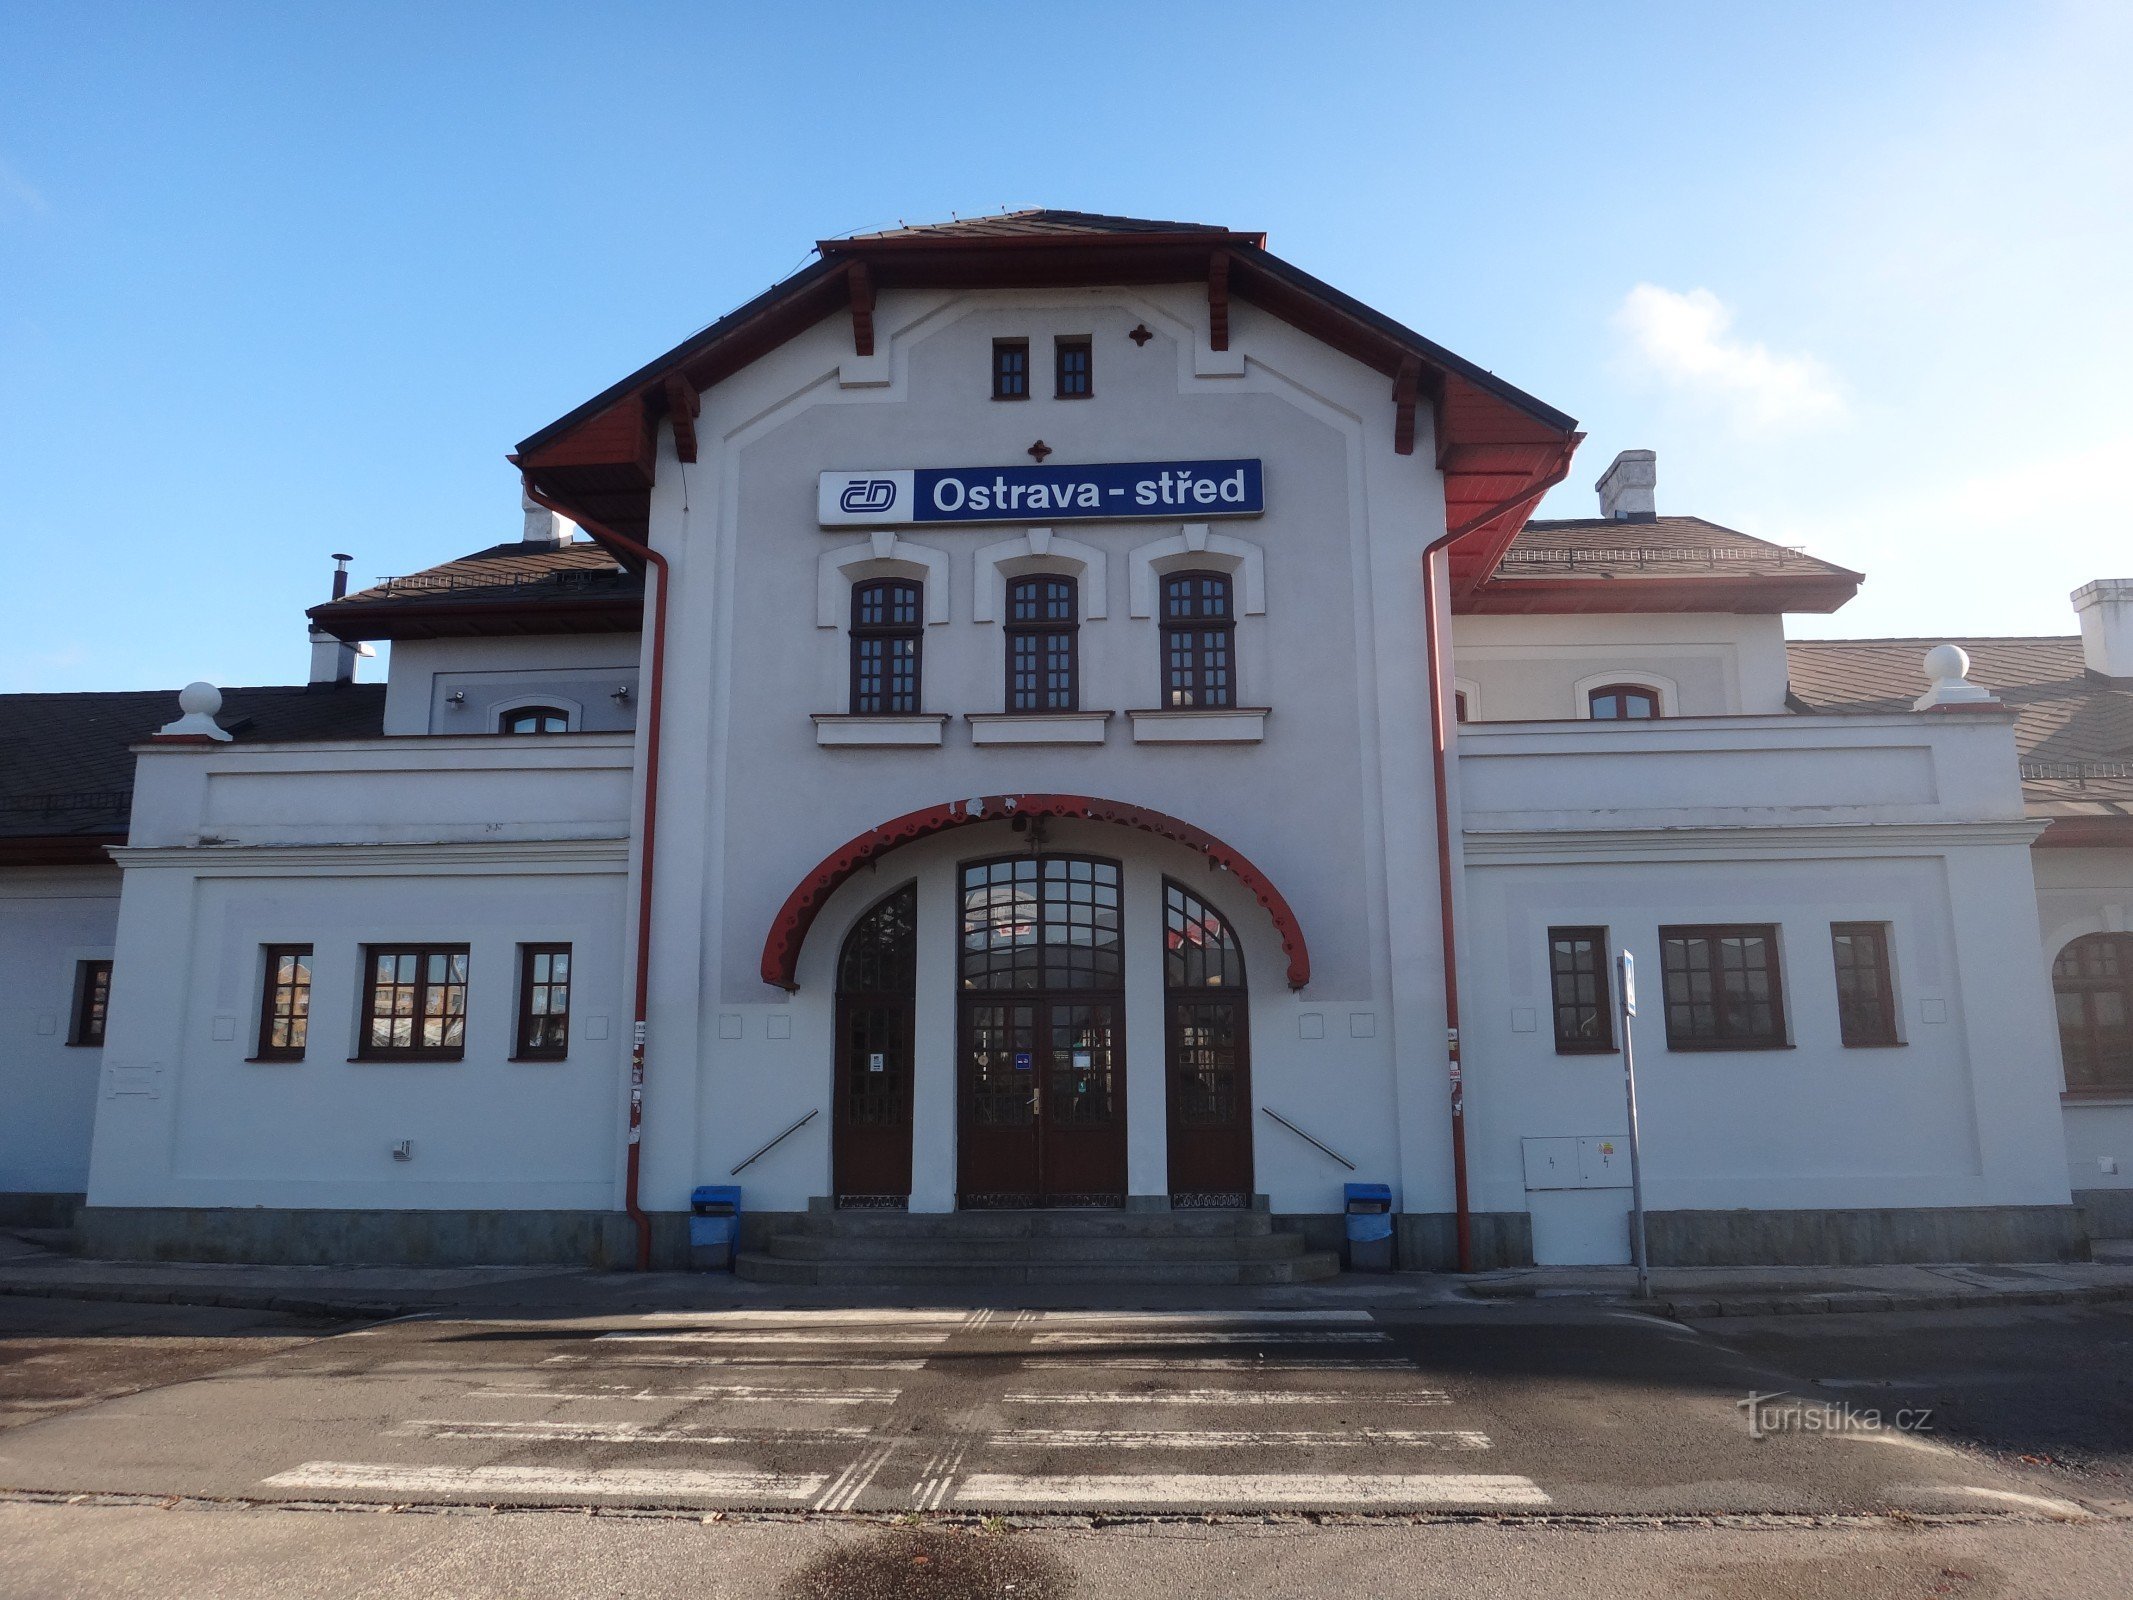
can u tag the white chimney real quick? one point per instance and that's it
(1629, 487)
(2105, 608)
(334, 660)
(543, 527)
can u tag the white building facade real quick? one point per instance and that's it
(986, 759)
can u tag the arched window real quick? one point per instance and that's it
(1208, 1046)
(1619, 701)
(2093, 980)
(1043, 658)
(888, 615)
(877, 973)
(1199, 641)
(534, 719)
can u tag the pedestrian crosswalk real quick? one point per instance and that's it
(971, 1411)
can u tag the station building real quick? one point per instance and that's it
(1061, 717)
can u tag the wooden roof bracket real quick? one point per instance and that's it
(1218, 300)
(683, 402)
(1406, 389)
(862, 290)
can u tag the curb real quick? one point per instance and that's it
(227, 1299)
(1862, 1300)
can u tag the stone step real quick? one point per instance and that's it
(936, 1247)
(921, 1272)
(1034, 1224)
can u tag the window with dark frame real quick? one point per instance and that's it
(1199, 641)
(285, 1003)
(1459, 705)
(1073, 369)
(1043, 637)
(1721, 987)
(888, 622)
(1579, 991)
(534, 719)
(414, 1003)
(2092, 983)
(1634, 702)
(543, 1002)
(1866, 984)
(1010, 369)
(92, 1000)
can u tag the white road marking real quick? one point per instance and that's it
(1210, 1336)
(738, 1393)
(1211, 1318)
(2034, 1502)
(1219, 1363)
(606, 1361)
(937, 1476)
(1228, 1397)
(855, 1335)
(854, 1480)
(562, 1481)
(550, 1429)
(1249, 1489)
(805, 1317)
(1235, 1438)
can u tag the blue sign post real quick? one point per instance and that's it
(1180, 490)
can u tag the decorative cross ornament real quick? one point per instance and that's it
(1038, 451)
(1140, 334)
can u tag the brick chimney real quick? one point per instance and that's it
(1629, 487)
(2105, 608)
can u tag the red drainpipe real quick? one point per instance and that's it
(648, 834)
(1441, 780)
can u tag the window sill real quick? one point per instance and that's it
(1211, 725)
(1724, 1047)
(273, 1061)
(2096, 1097)
(409, 1058)
(537, 1061)
(1037, 727)
(846, 728)
(1587, 1050)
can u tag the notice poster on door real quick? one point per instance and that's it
(877, 1062)
(1024, 1061)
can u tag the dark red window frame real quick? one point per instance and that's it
(1626, 694)
(1866, 984)
(1697, 976)
(2092, 984)
(543, 1029)
(420, 987)
(1580, 991)
(92, 1004)
(1043, 644)
(285, 1003)
(888, 647)
(1073, 369)
(1199, 641)
(1010, 369)
(541, 716)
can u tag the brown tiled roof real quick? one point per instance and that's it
(1037, 222)
(507, 588)
(2074, 730)
(66, 766)
(1601, 547)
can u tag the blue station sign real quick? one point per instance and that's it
(1141, 490)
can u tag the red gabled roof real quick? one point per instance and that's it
(1499, 448)
(1597, 564)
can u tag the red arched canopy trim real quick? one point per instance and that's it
(781, 951)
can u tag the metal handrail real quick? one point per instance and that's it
(1307, 1139)
(780, 1139)
(1568, 556)
(2075, 771)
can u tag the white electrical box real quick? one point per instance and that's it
(1590, 1161)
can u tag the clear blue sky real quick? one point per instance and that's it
(278, 280)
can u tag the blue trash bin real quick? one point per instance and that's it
(1369, 1209)
(714, 1227)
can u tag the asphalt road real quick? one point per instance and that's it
(153, 1443)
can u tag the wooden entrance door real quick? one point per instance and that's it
(1042, 1108)
(876, 989)
(1208, 1051)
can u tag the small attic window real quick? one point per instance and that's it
(534, 719)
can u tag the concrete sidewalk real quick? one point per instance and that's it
(370, 1293)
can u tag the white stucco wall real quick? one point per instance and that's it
(577, 672)
(1539, 668)
(51, 919)
(2080, 892)
(1327, 805)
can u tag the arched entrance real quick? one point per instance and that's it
(877, 980)
(1207, 1049)
(1041, 1084)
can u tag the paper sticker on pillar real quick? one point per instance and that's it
(909, 496)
